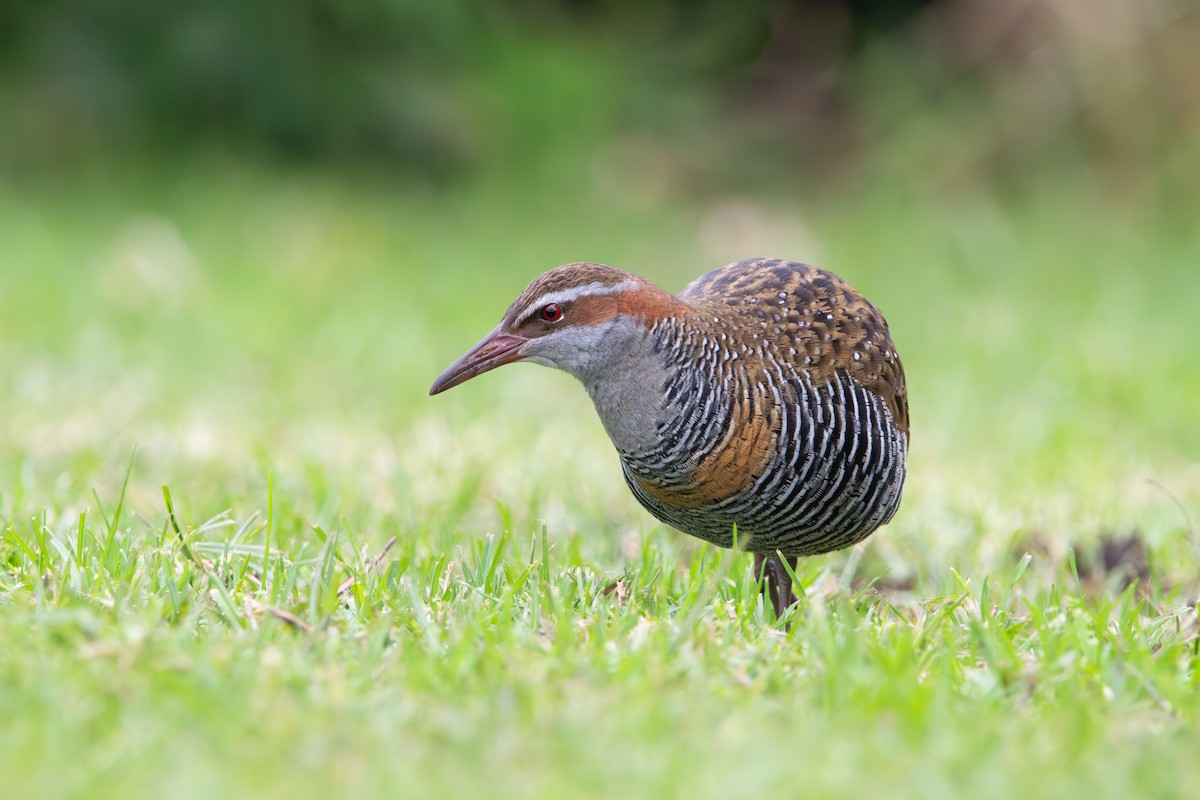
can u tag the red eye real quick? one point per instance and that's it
(551, 313)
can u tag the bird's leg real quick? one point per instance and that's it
(776, 582)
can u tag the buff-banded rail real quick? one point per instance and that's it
(764, 406)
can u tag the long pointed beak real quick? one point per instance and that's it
(496, 350)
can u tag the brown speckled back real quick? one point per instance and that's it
(824, 319)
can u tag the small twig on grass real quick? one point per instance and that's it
(289, 619)
(348, 584)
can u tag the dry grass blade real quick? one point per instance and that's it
(346, 585)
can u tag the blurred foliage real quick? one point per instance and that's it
(947, 92)
(434, 86)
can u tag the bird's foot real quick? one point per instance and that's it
(775, 580)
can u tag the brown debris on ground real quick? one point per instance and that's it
(1117, 562)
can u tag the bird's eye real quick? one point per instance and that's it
(551, 313)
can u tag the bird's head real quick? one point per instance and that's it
(566, 318)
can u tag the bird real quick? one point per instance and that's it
(764, 407)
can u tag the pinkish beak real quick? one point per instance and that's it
(496, 350)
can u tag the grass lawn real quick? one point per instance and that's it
(366, 591)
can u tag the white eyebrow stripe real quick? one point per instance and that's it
(574, 293)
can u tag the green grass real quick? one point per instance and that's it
(260, 342)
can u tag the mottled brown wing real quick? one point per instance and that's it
(811, 316)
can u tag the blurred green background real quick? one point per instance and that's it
(242, 239)
(240, 236)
